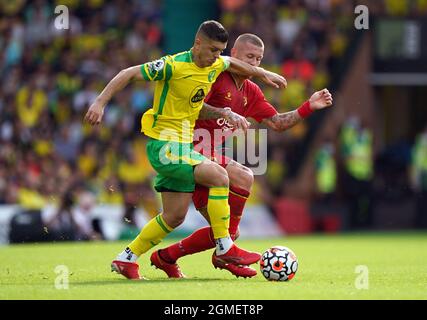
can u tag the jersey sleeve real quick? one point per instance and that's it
(161, 69)
(214, 90)
(260, 108)
(226, 62)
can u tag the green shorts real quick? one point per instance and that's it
(174, 162)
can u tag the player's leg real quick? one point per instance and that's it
(175, 180)
(175, 207)
(241, 179)
(211, 174)
(200, 240)
(215, 177)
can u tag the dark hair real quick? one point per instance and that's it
(213, 30)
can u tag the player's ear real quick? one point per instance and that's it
(233, 52)
(197, 42)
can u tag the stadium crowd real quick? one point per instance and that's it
(50, 77)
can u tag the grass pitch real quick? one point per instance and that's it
(329, 268)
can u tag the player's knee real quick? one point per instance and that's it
(174, 220)
(247, 178)
(177, 221)
(242, 178)
(222, 181)
(221, 178)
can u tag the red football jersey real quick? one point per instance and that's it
(249, 102)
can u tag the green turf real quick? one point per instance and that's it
(397, 265)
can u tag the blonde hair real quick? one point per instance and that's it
(251, 38)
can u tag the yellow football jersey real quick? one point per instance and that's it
(178, 97)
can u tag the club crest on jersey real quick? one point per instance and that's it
(156, 66)
(211, 75)
(197, 95)
(245, 101)
(228, 95)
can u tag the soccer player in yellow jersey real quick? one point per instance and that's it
(183, 81)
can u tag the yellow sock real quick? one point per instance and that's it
(152, 234)
(219, 211)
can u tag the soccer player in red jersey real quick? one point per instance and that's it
(242, 96)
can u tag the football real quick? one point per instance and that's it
(279, 264)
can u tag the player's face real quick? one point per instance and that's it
(248, 53)
(208, 51)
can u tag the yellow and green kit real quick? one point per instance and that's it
(178, 98)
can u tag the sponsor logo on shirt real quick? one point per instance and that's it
(197, 95)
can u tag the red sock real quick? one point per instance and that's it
(200, 240)
(237, 200)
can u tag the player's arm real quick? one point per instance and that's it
(283, 121)
(121, 80)
(210, 112)
(160, 69)
(239, 67)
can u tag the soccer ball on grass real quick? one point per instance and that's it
(279, 264)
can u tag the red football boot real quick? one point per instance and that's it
(238, 271)
(238, 256)
(171, 269)
(127, 269)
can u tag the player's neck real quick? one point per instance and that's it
(195, 58)
(238, 80)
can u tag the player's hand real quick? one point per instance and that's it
(273, 79)
(95, 113)
(321, 99)
(237, 121)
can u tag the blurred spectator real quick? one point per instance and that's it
(73, 222)
(61, 226)
(87, 228)
(291, 19)
(418, 177)
(298, 67)
(328, 214)
(356, 149)
(326, 172)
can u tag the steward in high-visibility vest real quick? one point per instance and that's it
(419, 163)
(357, 148)
(326, 173)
